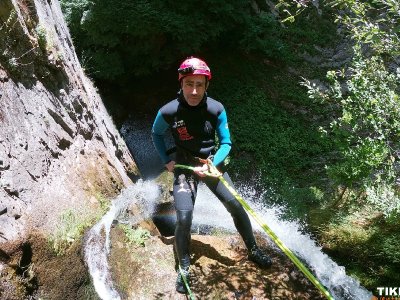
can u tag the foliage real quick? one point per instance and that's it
(125, 38)
(367, 125)
(69, 230)
(366, 243)
(104, 202)
(362, 104)
(72, 225)
(384, 199)
(42, 36)
(281, 144)
(364, 96)
(135, 236)
(373, 22)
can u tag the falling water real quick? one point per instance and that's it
(97, 245)
(210, 212)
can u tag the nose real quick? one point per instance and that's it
(194, 91)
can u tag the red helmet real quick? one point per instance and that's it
(193, 66)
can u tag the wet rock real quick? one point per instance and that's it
(53, 126)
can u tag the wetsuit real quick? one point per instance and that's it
(193, 129)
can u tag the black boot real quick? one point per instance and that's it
(180, 283)
(257, 256)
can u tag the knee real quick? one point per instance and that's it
(234, 207)
(184, 219)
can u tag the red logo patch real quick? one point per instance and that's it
(183, 134)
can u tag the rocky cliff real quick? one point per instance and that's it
(59, 149)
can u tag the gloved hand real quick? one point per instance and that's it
(207, 169)
(201, 170)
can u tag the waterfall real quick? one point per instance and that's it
(97, 244)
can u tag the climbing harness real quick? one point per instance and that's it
(191, 296)
(213, 171)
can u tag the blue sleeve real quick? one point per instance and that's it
(224, 139)
(157, 133)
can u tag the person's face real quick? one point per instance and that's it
(194, 87)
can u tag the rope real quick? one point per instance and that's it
(191, 296)
(215, 173)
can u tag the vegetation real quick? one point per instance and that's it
(363, 106)
(107, 39)
(135, 236)
(324, 137)
(69, 230)
(72, 226)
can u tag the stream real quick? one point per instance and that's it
(209, 212)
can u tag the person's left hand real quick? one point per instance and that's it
(200, 170)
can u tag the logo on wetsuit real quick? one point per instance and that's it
(180, 127)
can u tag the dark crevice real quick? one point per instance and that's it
(23, 269)
(52, 152)
(4, 256)
(32, 176)
(59, 120)
(64, 144)
(11, 192)
(3, 211)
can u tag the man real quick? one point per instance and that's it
(194, 119)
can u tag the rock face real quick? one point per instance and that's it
(59, 149)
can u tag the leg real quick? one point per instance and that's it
(184, 191)
(239, 215)
(182, 236)
(240, 218)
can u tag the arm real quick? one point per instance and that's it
(157, 133)
(224, 139)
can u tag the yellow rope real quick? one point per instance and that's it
(191, 296)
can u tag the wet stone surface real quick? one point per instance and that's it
(220, 270)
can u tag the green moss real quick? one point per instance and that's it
(135, 236)
(70, 228)
(365, 243)
(42, 37)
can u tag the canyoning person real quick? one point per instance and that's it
(194, 118)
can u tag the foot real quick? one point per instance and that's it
(260, 258)
(180, 284)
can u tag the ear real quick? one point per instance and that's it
(207, 83)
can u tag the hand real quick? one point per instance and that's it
(211, 169)
(200, 170)
(170, 166)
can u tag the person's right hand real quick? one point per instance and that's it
(170, 166)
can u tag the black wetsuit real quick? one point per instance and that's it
(193, 129)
